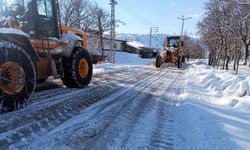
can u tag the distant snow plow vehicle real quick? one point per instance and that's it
(35, 45)
(171, 53)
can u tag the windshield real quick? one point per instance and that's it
(173, 42)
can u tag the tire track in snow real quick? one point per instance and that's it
(126, 120)
(19, 131)
(154, 129)
(136, 103)
(105, 112)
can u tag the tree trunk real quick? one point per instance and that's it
(246, 54)
(219, 54)
(227, 62)
(214, 59)
(224, 62)
(210, 59)
(224, 59)
(100, 36)
(235, 58)
(238, 62)
(218, 59)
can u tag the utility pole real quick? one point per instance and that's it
(182, 27)
(112, 32)
(153, 30)
(1, 5)
(99, 15)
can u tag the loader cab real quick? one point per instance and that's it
(37, 17)
(40, 18)
(173, 41)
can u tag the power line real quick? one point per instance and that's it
(183, 20)
(134, 14)
(153, 30)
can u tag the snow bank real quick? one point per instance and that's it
(213, 111)
(218, 80)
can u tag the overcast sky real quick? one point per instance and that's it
(140, 15)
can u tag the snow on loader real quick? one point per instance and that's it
(171, 53)
(35, 45)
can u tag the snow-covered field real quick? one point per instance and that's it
(133, 105)
(123, 61)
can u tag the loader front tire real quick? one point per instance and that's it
(17, 76)
(77, 69)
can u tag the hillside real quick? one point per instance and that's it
(157, 40)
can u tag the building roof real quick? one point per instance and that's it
(105, 37)
(136, 44)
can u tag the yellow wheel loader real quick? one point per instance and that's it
(172, 52)
(35, 45)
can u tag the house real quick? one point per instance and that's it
(94, 46)
(139, 48)
(133, 47)
(118, 44)
(147, 52)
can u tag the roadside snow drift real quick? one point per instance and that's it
(214, 109)
(219, 81)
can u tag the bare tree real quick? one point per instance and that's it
(76, 13)
(103, 22)
(225, 29)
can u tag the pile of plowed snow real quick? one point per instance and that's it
(214, 109)
(219, 80)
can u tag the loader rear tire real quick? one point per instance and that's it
(77, 69)
(179, 62)
(17, 76)
(158, 62)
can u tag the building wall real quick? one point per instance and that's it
(117, 45)
(94, 44)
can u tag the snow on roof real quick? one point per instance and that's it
(105, 37)
(136, 44)
(12, 31)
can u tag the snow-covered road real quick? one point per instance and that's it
(136, 107)
(133, 108)
(138, 117)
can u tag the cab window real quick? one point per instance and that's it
(44, 8)
(46, 17)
